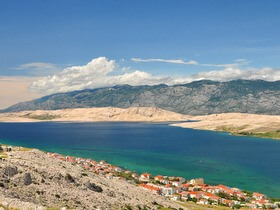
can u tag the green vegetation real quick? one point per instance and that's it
(124, 175)
(3, 155)
(127, 207)
(42, 117)
(238, 131)
(250, 194)
(223, 195)
(271, 135)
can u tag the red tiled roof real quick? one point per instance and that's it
(150, 187)
(167, 185)
(146, 175)
(258, 194)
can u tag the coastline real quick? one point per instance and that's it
(241, 124)
(183, 192)
(107, 114)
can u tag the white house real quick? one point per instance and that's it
(168, 190)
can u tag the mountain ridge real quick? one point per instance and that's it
(196, 98)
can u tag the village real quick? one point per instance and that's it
(178, 188)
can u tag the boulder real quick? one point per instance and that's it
(27, 180)
(69, 178)
(10, 171)
(93, 187)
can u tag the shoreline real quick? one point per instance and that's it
(194, 190)
(240, 124)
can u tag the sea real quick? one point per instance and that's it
(248, 163)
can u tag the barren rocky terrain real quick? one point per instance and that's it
(148, 114)
(237, 123)
(33, 180)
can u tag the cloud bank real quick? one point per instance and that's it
(191, 62)
(100, 73)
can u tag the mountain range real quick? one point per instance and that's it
(195, 98)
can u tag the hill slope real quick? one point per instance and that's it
(132, 114)
(196, 98)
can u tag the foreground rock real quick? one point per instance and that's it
(33, 180)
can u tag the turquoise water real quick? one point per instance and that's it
(245, 162)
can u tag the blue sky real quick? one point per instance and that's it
(71, 32)
(164, 38)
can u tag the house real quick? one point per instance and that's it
(158, 177)
(203, 202)
(213, 189)
(168, 190)
(145, 177)
(101, 162)
(196, 188)
(118, 169)
(185, 195)
(195, 194)
(259, 196)
(176, 183)
(176, 197)
(228, 203)
(222, 187)
(135, 176)
(212, 197)
(181, 179)
(197, 181)
(185, 186)
(152, 188)
(229, 192)
(161, 179)
(109, 176)
(260, 203)
(164, 181)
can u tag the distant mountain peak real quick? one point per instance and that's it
(195, 98)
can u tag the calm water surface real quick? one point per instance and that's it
(244, 162)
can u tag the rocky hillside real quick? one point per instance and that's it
(132, 114)
(31, 179)
(196, 98)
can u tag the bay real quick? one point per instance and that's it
(246, 162)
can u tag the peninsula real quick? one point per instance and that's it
(265, 126)
(132, 114)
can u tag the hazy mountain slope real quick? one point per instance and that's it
(196, 98)
(132, 114)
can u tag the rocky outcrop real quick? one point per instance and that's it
(33, 180)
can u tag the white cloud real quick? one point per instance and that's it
(36, 65)
(227, 74)
(101, 72)
(179, 61)
(38, 68)
(237, 63)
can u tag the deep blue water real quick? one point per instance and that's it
(244, 162)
